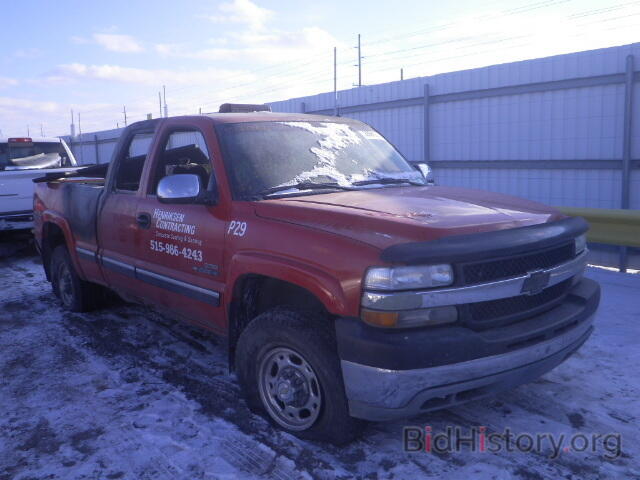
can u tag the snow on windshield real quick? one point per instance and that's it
(333, 137)
(262, 156)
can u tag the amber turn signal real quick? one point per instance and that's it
(380, 319)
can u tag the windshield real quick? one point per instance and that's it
(37, 155)
(268, 157)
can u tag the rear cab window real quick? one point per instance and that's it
(129, 169)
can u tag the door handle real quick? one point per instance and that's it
(144, 220)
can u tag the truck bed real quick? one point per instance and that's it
(75, 199)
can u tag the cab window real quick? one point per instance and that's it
(130, 167)
(185, 151)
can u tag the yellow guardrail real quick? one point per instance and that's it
(615, 227)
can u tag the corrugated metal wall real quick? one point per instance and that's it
(579, 123)
(94, 147)
(549, 129)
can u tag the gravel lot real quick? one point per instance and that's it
(128, 393)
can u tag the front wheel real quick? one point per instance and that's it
(289, 389)
(288, 368)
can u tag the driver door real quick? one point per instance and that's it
(180, 255)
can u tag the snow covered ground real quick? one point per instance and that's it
(127, 393)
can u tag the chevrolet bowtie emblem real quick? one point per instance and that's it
(535, 282)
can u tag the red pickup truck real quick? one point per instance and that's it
(348, 288)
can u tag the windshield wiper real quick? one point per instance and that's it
(387, 181)
(304, 186)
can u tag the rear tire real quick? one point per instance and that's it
(74, 293)
(288, 369)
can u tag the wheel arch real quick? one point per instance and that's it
(53, 235)
(257, 288)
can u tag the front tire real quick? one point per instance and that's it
(288, 369)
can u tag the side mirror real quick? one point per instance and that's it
(426, 172)
(183, 188)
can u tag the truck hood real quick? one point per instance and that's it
(387, 216)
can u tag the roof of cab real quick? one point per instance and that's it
(274, 117)
(219, 118)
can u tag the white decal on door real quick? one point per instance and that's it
(175, 250)
(237, 228)
(173, 222)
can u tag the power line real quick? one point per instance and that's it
(297, 78)
(539, 5)
(602, 10)
(527, 8)
(460, 40)
(297, 67)
(296, 71)
(481, 17)
(429, 29)
(448, 26)
(433, 60)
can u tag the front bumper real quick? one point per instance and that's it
(405, 377)
(16, 220)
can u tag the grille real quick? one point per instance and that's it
(510, 267)
(508, 307)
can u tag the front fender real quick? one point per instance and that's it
(326, 288)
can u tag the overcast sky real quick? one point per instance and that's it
(97, 56)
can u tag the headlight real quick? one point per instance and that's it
(408, 278)
(581, 243)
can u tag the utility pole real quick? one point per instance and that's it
(359, 63)
(28, 133)
(402, 74)
(80, 136)
(124, 111)
(160, 103)
(41, 130)
(200, 110)
(335, 81)
(164, 96)
(72, 127)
